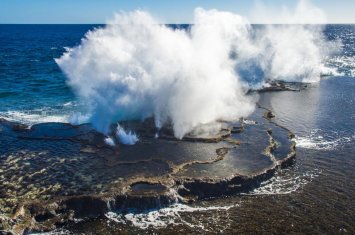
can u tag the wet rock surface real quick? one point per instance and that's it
(52, 173)
(275, 85)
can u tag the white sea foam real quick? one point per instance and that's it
(319, 143)
(316, 140)
(329, 71)
(54, 232)
(163, 217)
(67, 104)
(285, 182)
(61, 113)
(33, 117)
(135, 67)
(249, 122)
(342, 64)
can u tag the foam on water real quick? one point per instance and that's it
(249, 122)
(54, 232)
(342, 65)
(318, 141)
(331, 71)
(285, 181)
(163, 217)
(32, 117)
(65, 112)
(67, 104)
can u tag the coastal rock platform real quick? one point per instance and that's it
(52, 173)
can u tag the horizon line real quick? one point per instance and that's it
(335, 23)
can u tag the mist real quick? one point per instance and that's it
(134, 67)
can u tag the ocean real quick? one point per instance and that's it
(314, 196)
(33, 88)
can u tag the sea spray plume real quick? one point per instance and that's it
(293, 53)
(304, 13)
(109, 141)
(135, 68)
(127, 138)
(295, 50)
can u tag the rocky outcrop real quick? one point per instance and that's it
(276, 85)
(52, 173)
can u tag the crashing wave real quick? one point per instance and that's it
(135, 68)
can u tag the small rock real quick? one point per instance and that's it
(269, 115)
(291, 135)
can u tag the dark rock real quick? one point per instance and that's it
(141, 203)
(87, 206)
(269, 115)
(201, 189)
(291, 135)
(19, 127)
(275, 85)
(68, 171)
(147, 188)
(237, 129)
(2, 232)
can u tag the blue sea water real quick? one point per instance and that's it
(33, 89)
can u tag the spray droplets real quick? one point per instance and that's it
(126, 138)
(135, 68)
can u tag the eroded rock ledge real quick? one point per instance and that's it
(52, 173)
(277, 85)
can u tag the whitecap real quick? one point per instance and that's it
(317, 141)
(33, 117)
(161, 218)
(285, 182)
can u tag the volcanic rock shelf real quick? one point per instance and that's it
(52, 173)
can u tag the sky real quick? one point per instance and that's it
(100, 11)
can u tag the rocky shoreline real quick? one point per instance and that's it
(44, 189)
(53, 173)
